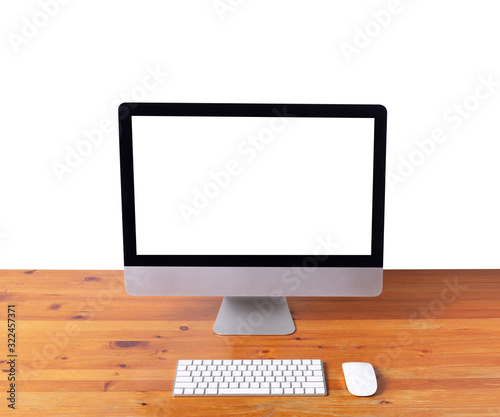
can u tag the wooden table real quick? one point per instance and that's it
(86, 348)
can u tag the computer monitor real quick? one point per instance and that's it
(253, 202)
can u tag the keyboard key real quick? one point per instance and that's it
(245, 391)
(185, 385)
(314, 378)
(311, 384)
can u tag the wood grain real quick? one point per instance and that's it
(86, 348)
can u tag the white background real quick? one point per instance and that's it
(308, 178)
(63, 75)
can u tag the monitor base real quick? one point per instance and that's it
(254, 316)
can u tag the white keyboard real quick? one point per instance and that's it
(250, 377)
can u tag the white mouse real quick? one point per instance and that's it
(360, 378)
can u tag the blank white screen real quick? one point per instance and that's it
(252, 185)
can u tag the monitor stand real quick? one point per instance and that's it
(254, 316)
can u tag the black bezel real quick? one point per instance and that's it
(127, 110)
